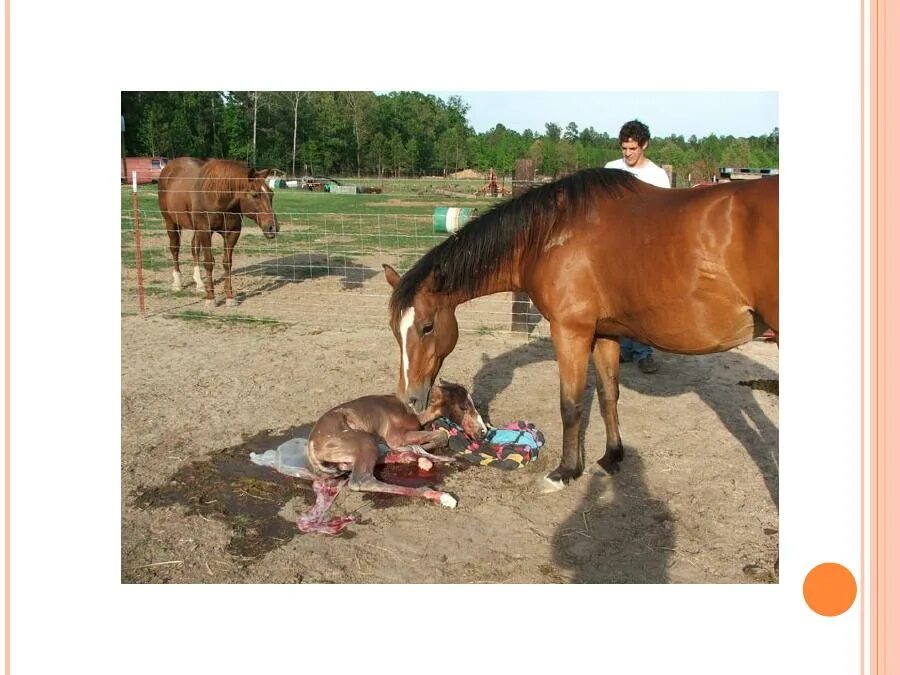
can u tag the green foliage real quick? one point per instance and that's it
(403, 133)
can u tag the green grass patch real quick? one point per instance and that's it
(151, 258)
(329, 229)
(229, 320)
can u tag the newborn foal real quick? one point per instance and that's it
(346, 438)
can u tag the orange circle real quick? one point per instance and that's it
(829, 589)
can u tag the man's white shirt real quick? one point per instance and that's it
(649, 173)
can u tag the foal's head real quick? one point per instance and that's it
(454, 402)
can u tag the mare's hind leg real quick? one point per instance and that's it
(201, 244)
(572, 349)
(231, 239)
(174, 233)
(606, 362)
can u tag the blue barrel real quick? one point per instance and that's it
(451, 218)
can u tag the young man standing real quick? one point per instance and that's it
(633, 141)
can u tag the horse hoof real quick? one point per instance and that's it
(548, 485)
(611, 466)
(209, 303)
(231, 302)
(448, 500)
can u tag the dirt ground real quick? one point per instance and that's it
(695, 502)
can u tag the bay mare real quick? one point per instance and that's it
(602, 256)
(209, 196)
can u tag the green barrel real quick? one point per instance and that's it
(451, 218)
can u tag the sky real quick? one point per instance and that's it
(736, 113)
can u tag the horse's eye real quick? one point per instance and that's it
(427, 328)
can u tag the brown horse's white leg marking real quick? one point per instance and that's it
(176, 280)
(198, 279)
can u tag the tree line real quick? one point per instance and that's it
(355, 133)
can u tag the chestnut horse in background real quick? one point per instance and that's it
(603, 256)
(209, 196)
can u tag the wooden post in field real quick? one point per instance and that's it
(138, 256)
(522, 180)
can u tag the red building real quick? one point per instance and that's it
(148, 169)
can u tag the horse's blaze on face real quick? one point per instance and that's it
(411, 388)
(425, 338)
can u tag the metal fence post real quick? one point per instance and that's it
(521, 304)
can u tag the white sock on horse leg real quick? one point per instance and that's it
(197, 279)
(176, 280)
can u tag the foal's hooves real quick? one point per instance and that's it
(448, 500)
(231, 302)
(209, 303)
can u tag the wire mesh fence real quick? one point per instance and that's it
(323, 269)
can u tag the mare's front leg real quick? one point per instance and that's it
(572, 345)
(606, 362)
(201, 245)
(231, 239)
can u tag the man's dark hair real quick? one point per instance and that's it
(635, 130)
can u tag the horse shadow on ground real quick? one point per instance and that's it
(632, 539)
(280, 272)
(301, 267)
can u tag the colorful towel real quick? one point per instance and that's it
(507, 447)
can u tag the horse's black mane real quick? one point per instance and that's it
(466, 260)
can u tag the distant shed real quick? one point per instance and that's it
(148, 169)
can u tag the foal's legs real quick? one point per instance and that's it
(361, 449)
(572, 349)
(231, 239)
(174, 233)
(606, 362)
(202, 243)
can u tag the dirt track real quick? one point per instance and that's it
(696, 500)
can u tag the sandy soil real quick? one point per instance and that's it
(696, 500)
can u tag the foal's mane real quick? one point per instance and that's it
(468, 259)
(223, 175)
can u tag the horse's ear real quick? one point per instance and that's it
(391, 275)
(262, 173)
